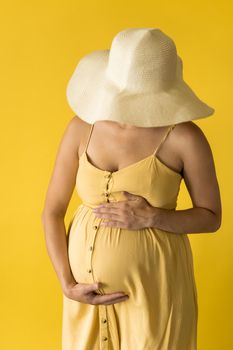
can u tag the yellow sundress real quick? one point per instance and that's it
(154, 267)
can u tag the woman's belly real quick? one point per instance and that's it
(122, 259)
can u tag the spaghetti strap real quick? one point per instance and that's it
(164, 138)
(89, 136)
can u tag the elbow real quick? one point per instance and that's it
(217, 227)
(217, 222)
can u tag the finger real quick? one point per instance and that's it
(109, 205)
(109, 211)
(108, 298)
(107, 214)
(116, 294)
(88, 288)
(113, 223)
(118, 300)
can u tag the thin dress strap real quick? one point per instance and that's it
(164, 138)
(89, 136)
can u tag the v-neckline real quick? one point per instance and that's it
(153, 156)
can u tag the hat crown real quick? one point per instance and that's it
(142, 60)
(139, 81)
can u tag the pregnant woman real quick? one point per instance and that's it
(126, 265)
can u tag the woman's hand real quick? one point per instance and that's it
(135, 213)
(85, 293)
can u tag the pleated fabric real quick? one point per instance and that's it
(154, 267)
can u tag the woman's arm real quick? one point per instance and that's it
(58, 195)
(201, 181)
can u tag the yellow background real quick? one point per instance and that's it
(41, 43)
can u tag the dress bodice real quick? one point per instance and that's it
(149, 178)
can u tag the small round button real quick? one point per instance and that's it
(89, 270)
(103, 320)
(104, 338)
(91, 247)
(95, 227)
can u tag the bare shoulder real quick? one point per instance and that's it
(76, 126)
(75, 131)
(198, 167)
(192, 143)
(62, 183)
(190, 132)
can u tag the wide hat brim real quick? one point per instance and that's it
(92, 97)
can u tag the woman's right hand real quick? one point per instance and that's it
(85, 293)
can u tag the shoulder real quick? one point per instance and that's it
(190, 137)
(195, 151)
(77, 124)
(74, 132)
(76, 129)
(189, 130)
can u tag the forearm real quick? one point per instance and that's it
(192, 220)
(56, 243)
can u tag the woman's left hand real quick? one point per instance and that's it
(134, 213)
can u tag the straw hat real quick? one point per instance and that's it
(138, 81)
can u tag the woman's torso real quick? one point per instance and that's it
(149, 177)
(110, 254)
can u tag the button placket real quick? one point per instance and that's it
(103, 325)
(90, 253)
(103, 321)
(106, 193)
